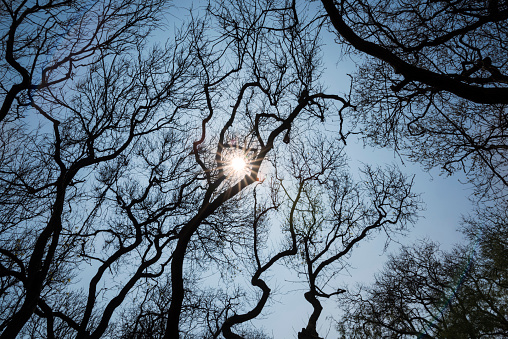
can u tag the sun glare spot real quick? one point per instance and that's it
(238, 164)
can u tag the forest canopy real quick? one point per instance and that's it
(155, 172)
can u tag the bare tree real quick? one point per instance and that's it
(453, 46)
(130, 171)
(52, 140)
(46, 43)
(331, 214)
(434, 82)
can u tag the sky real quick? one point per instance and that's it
(444, 197)
(445, 200)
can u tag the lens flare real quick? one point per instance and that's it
(238, 164)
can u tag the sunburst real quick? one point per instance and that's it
(238, 164)
(236, 159)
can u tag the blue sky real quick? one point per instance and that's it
(445, 199)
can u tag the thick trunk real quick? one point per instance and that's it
(38, 268)
(177, 288)
(310, 332)
(177, 295)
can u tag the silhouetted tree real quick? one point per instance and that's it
(381, 201)
(433, 82)
(118, 194)
(427, 293)
(46, 43)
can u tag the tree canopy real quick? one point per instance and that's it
(433, 82)
(427, 293)
(140, 161)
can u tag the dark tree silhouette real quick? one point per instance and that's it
(116, 174)
(46, 43)
(452, 46)
(428, 293)
(118, 194)
(326, 237)
(433, 84)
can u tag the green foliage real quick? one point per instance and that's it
(424, 292)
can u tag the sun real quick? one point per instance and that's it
(238, 164)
